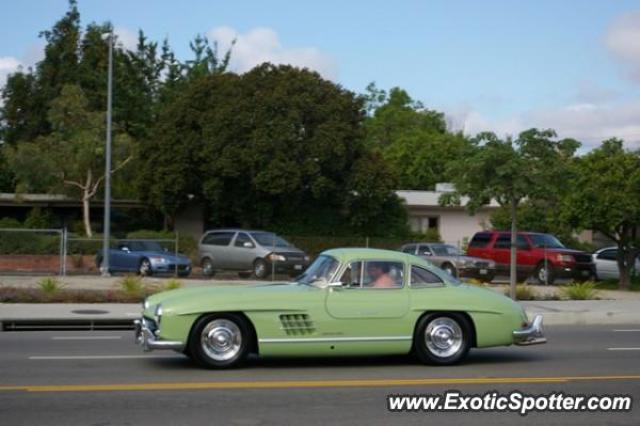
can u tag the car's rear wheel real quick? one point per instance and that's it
(220, 341)
(442, 339)
(260, 268)
(544, 274)
(207, 267)
(144, 268)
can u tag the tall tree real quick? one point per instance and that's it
(71, 158)
(413, 140)
(605, 197)
(510, 171)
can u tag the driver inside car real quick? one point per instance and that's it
(379, 274)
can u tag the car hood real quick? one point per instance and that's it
(232, 297)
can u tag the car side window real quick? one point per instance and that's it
(521, 242)
(422, 278)
(409, 249)
(424, 249)
(481, 239)
(608, 255)
(374, 274)
(503, 241)
(242, 239)
(218, 238)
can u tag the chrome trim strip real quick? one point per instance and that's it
(335, 339)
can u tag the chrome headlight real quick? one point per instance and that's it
(565, 258)
(274, 257)
(307, 258)
(157, 316)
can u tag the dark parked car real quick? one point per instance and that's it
(540, 255)
(257, 252)
(145, 258)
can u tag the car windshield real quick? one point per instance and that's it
(545, 240)
(445, 250)
(268, 239)
(143, 246)
(319, 272)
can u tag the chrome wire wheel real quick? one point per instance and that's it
(221, 339)
(443, 337)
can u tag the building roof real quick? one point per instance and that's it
(56, 200)
(414, 198)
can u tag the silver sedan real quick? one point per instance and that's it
(453, 261)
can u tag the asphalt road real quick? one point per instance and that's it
(102, 378)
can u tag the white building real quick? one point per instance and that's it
(453, 223)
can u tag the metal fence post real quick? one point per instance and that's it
(176, 253)
(64, 251)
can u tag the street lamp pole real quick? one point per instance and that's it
(107, 167)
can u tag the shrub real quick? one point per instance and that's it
(580, 291)
(172, 284)
(523, 292)
(49, 285)
(132, 285)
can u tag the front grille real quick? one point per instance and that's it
(582, 258)
(297, 324)
(482, 264)
(180, 267)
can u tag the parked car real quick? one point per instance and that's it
(245, 251)
(540, 255)
(606, 264)
(348, 302)
(453, 261)
(145, 258)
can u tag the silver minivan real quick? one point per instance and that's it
(249, 252)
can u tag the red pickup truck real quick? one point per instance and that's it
(540, 255)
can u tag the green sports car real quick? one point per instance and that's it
(349, 301)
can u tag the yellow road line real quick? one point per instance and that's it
(293, 384)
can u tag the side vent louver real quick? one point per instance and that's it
(297, 324)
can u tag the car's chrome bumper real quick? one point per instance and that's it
(148, 340)
(532, 335)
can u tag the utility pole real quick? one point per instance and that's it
(107, 166)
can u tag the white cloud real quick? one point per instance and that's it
(623, 41)
(8, 65)
(589, 123)
(262, 45)
(126, 37)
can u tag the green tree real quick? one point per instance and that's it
(510, 171)
(275, 147)
(71, 158)
(413, 140)
(605, 197)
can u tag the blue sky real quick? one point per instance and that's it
(490, 65)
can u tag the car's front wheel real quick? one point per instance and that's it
(442, 339)
(544, 274)
(450, 269)
(207, 268)
(144, 268)
(220, 341)
(260, 268)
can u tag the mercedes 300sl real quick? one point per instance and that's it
(348, 302)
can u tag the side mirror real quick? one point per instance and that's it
(125, 249)
(248, 244)
(166, 250)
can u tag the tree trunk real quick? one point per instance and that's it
(625, 264)
(86, 215)
(513, 261)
